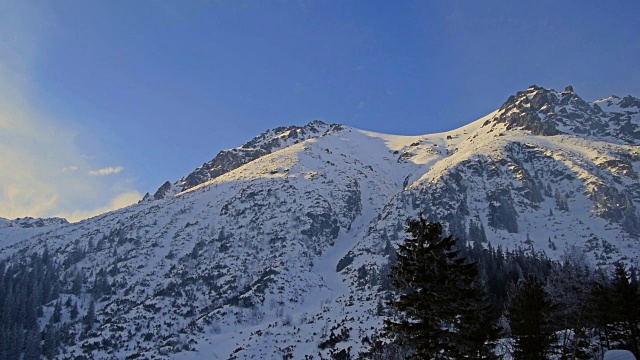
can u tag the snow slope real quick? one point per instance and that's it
(16, 230)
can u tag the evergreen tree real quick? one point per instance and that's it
(32, 345)
(73, 313)
(631, 222)
(441, 309)
(569, 285)
(476, 231)
(50, 343)
(57, 312)
(561, 201)
(78, 280)
(530, 320)
(27, 282)
(624, 307)
(478, 329)
(89, 318)
(599, 309)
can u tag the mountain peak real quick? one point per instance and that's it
(31, 222)
(629, 101)
(266, 143)
(317, 123)
(548, 112)
(162, 191)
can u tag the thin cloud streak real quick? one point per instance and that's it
(106, 171)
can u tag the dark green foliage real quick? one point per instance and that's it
(499, 268)
(381, 350)
(89, 317)
(569, 286)
(601, 317)
(589, 310)
(57, 313)
(620, 323)
(476, 231)
(26, 284)
(530, 310)
(78, 281)
(335, 338)
(502, 214)
(101, 284)
(73, 313)
(561, 201)
(32, 345)
(51, 342)
(75, 255)
(442, 309)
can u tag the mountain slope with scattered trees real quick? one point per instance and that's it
(282, 247)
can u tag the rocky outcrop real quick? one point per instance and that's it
(263, 144)
(30, 222)
(548, 112)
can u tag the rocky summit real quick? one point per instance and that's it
(279, 248)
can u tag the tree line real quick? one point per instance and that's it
(39, 310)
(462, 300)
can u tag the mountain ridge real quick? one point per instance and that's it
(272, 254)
(542, 104)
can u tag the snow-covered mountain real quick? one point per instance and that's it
(16, 230)
(278, 248)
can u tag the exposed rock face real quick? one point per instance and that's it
(30, 222)
(547, 112)
(261, 145)
(162, 191)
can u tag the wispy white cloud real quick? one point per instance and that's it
(120, 201)
(106, 171)
(39, 158)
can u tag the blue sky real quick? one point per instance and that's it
(101, 102)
